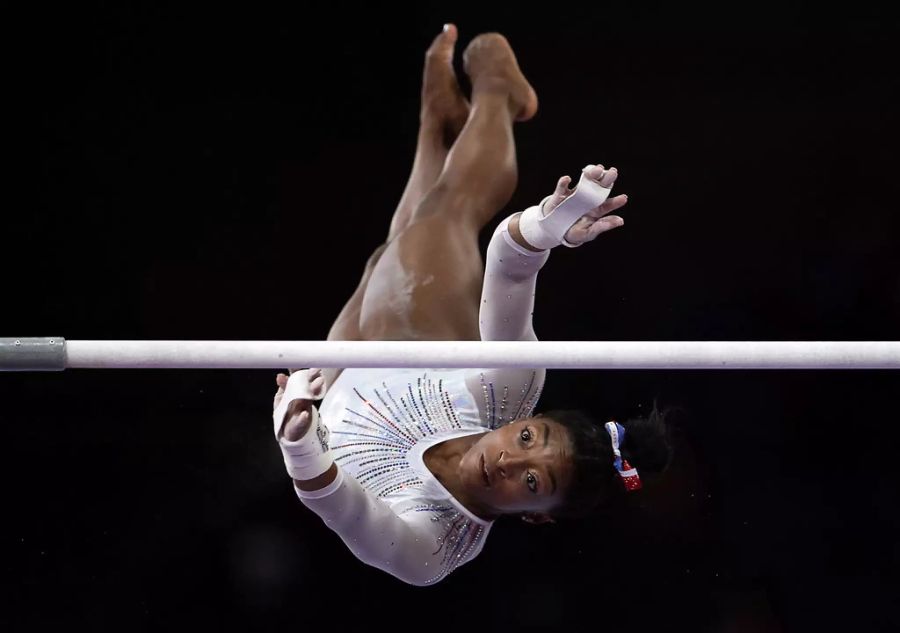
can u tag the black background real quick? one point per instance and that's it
(224, 174)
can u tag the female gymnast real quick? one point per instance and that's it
(412, 467)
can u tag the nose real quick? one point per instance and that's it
(510, 463)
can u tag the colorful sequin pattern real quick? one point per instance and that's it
(524, 407)
(376, 436)
(379, 424)
(460, 537)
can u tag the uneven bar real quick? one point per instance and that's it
(451, 354)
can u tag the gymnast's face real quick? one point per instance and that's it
(520, 468)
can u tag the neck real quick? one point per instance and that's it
(443, 460)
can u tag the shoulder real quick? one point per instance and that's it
(504, 395)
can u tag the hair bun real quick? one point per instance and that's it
(647, 444)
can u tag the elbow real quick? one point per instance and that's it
(415, 582)
(417, 574)
(420, 580)
(421, 572)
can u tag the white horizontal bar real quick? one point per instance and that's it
(476, 354)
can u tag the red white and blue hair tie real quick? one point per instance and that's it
(627, 474)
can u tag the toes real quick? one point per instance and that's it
(442, 46)
(451, 32)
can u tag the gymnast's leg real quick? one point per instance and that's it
(443, 112)
(426, 284)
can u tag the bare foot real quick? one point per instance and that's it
(491, 64)
(442, 98)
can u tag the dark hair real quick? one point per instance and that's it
(647, 447)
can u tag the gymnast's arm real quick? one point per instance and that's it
(505, 314)
(510, 278)
(404, 545)
(572, 216)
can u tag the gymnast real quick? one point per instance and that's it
(411, 467)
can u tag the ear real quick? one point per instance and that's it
(537, 518)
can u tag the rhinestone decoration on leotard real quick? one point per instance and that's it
(460, 537)
(386, 428)
(523, 408)
(377, 435)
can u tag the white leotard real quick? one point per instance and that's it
(385, 504)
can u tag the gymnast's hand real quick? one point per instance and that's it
(597, 220)
(297, 418)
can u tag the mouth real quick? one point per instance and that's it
(484, 473)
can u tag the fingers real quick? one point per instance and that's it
(316, 385)
(314, 374)
(609, 177)
(603, 225)
(594, 172)
(281, 381)
(562, 186)
(606, 177)
(296, 426)
(612, 204)
(316, 381)
(559, 194)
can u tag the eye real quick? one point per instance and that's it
(526, 435)
(532, 482)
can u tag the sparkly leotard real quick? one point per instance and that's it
(386, 504)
